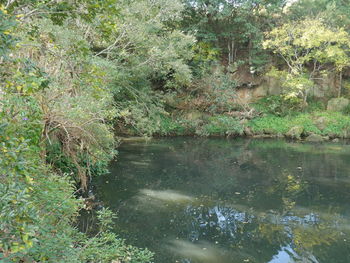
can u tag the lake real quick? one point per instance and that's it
(232, 200)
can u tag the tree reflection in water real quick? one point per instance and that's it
(218, 200)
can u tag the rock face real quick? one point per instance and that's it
(248, 132)
(315, 138)
(321, 123)
(346, 134)
(269, 131)
(337, 104)
(193, 115)
(295, 132)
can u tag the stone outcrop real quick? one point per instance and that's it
(315, 138)
(295, 132)
(337, 104)
(251, 88)
(321, 123)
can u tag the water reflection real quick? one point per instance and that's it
(288, 255)
(241, 200)
(164, 195)
(152, 201)
(295, 231)
(197, 252)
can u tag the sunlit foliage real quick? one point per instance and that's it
(309, 48)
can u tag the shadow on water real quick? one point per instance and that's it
(218, 200)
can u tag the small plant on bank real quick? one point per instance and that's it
(278, 105)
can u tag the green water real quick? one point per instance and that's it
(232, 200)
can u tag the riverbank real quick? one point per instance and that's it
(314, 126)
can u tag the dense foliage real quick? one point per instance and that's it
(308, 42)
(76, 74)
(56, 126)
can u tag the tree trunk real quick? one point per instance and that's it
(229, 52)
(250, 45)
(340, 83)
(231, 48)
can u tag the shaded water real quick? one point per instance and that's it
(232, 200)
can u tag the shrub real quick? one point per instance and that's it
(270, 124)
(278, 105)
(38, 207)
(171, 126)
(220, 125)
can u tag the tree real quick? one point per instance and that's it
(150, 55)
(52, 89)
(333, 12)
(235, 27)
(309, 48)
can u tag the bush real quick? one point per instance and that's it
(278, 105)
(306, 121)
(37, 206)
(270, 124)
(63, 116)
(220, 125)
(221, 93)
(169, 126)
(336, 124)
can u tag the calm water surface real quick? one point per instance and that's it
(232, 200)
